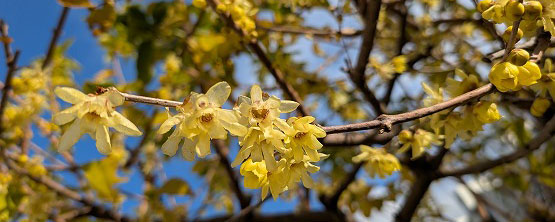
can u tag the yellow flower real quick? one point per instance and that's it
(456, 88)
(378, 161)
(92, 114)
(419, 141)
(199, 3)
(297, 171)
(539, 106)
(257, 176)
(546, 84)
(434, 96)
(201, 119)
(486, 112)
(495, 13)
(504, 76)
(528, 74)
(302, 137)
(262, 110)
(400, 63)
(260, 146)
(548, 15)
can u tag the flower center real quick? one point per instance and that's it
(300, 135)
(206, 118)
(260, 113)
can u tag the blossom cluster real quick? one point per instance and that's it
(241, 11)
(532, 13)
(275, 153)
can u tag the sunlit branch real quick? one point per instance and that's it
(11, 63)
(55, 37)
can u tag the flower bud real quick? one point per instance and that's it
(484, 5)
(507, 34)
(514, 10)
(533, 10)
(539, 106)
(519, 57)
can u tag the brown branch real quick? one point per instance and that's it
(423, 170)
(354, 139)
(313, 216)
(259, 52)
(96, 210)
(322, 33)
(55, 37)
(546, 134)
(386, 121)
(370, 13)
(150, 100)
(11, 63)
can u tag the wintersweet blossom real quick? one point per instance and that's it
(260, 146)
(378, 161)
(257, 176)
(419, 141)
(504, 76)
(92, 114)
(297, 171)
(201, 119)
(302, 137)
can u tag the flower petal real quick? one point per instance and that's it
(123, 125)
(70, 95)
(256, 94)
(103, 139)
(203, 145)
(168, 124)
(287, 106)
(70, 137)
(219, 93)
(66, 115)
(170, 146)
(188, 149)
(268, 152)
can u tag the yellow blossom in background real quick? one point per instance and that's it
(201, 119)
(539, 106)
(378, 162)
(302, 137)
(548, 15)
(456, 88)
(92, 114)
(419, 141)
(486, 112)
(434, 96)
(546, 84)
(504, 76)
(400, 63)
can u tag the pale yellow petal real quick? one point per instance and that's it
(188, 149)
(218, 93)
(235, 129)
(70, 137)
(170, 146)
(168, 124)
(256, 94)
(287, 106)
(268, 152)
(203, 145)
(307, 180)
(123, 125)
(70, 95)
(114, 96)
(103, 140)
(66, 115)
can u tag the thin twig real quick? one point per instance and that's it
(11, 63)
(221, 149)
(55, 37)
